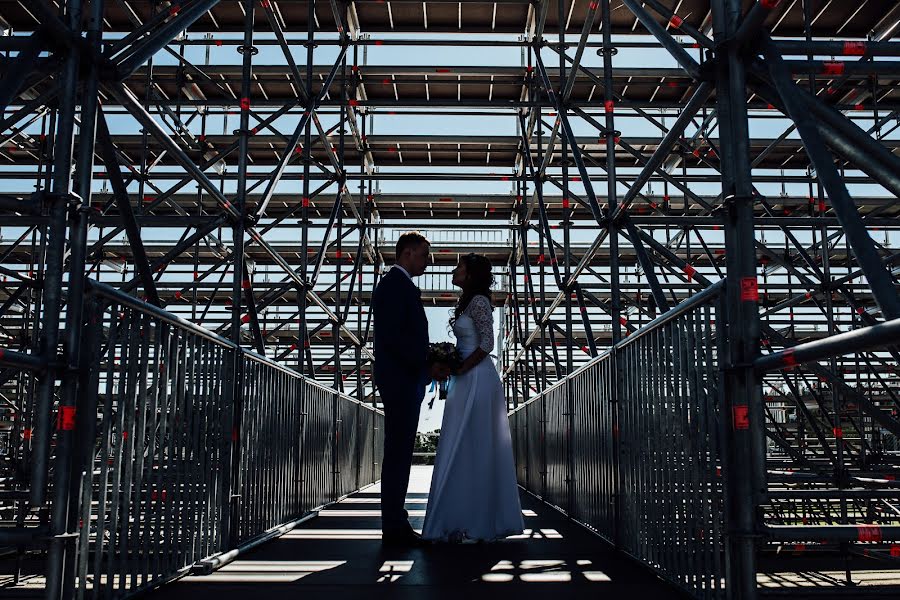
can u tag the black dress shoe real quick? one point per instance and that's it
(402, 538)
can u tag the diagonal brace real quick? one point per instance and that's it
(123, 202)
(844, 207)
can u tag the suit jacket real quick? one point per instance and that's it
(401, 335)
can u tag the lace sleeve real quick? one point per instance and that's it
(480, 310)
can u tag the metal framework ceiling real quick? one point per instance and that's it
(260, 195)
(850, 20)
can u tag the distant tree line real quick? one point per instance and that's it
(426, 446)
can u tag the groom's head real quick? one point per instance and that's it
(413, 252)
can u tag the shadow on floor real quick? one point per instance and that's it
(339, 553)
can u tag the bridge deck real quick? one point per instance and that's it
(339, 554)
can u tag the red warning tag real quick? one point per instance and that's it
(854, 48)
(749, 290)
(833, 67)
(65, 419)
(789, 359)
(741, 416)
(868, 533)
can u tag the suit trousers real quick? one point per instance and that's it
(401, 420)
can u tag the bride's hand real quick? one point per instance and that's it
(472, 361)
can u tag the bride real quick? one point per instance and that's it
(474, 496)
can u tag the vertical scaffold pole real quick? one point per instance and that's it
(743, 416)
(612, 204)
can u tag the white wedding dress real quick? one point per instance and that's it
(473, 494)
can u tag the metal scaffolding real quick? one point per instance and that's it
(693, 207)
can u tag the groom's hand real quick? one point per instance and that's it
(440, 371)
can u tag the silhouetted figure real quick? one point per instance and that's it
(401, 372)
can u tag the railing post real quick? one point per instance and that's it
(335, 446)
(615, 446)
(233, 484)
(302, 389)
(543, 448)
(571, 487)
(608, 51)
(81, 480)
(232, 480)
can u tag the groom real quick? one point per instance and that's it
(401, 372)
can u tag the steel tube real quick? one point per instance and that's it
(752, 22)
(132, 58)
(665, 38)
(22, 360)
(857, 340)
(853, 48)
(833, 533)
(57, 229)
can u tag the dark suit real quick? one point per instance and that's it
(401, 344)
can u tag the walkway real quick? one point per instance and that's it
(338, 555)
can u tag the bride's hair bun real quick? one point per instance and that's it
(479, 281)
(479, 274)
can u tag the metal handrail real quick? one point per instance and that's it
(221, 419)
(683, 307)
(103, 290)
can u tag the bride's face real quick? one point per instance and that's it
(459, 275)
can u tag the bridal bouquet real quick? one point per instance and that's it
(444, 352)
